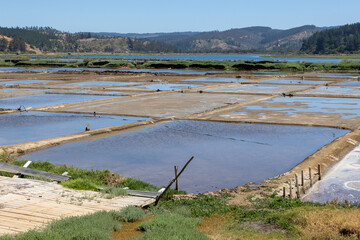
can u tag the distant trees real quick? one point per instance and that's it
(3, 44)
(345, 39)
(17, 44)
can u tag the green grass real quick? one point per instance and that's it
(267, 65)
(130, 214)
(171, 226)
(82, 179)
(95, 226)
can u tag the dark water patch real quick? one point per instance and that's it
(32, 126)
(226, 154)
(45, 100)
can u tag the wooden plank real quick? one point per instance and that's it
(32, 172)
(143, 193)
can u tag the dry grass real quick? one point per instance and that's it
(330, 223)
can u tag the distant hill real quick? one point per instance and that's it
(248, 39)
(251, 38)
(51, 40)
(344, 39)
(233, 40)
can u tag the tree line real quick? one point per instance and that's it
(345, 39)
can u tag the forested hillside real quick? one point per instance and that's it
(344, 39)
(51, 40)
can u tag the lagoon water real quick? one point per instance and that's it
(220, 57)
(226, 154)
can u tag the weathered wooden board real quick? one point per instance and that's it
(26, 204)
(32, 172)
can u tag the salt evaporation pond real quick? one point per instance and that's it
(168, 86)
(226, 154)
(350, 83)
(294, 81)
(45, 100)
(342, 182)
(25, 81)
(32, 126)
(100, 83)
(217, 79)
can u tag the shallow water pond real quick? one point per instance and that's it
(168, 86)
(100, 83)
(26, 81)
(342, 182)
(45, 100)
(32, 126)
(350, 91)
(347, 107)
(351, 83)
(217, 79)
(294, 81)
(226, 154)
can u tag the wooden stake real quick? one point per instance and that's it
(177, 181)
(319, 171)
(172, 181)
(291, 190)
(284, 192)
(303, 181)
(310, 177)
(297, 185)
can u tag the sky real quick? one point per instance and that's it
(147, 16)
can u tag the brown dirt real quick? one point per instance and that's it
(129, 230)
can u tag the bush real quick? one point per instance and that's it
(129, 214)
(95, 226)
(171, 226)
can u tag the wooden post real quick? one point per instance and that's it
(302, 181)
(177, 181)
(310, 177)
(319, 171)
(172, 181)
(291, 190)
(284, 192)
(297, 185)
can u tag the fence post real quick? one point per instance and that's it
(297, 185)
(319, 171)
(310, 177)
(177, 181)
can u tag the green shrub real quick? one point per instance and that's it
(79, 184)
(171, 226)
(95, 226)
(136, 184)
(129, 214)
(111, 192)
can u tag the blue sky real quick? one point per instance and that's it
(143, 16)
